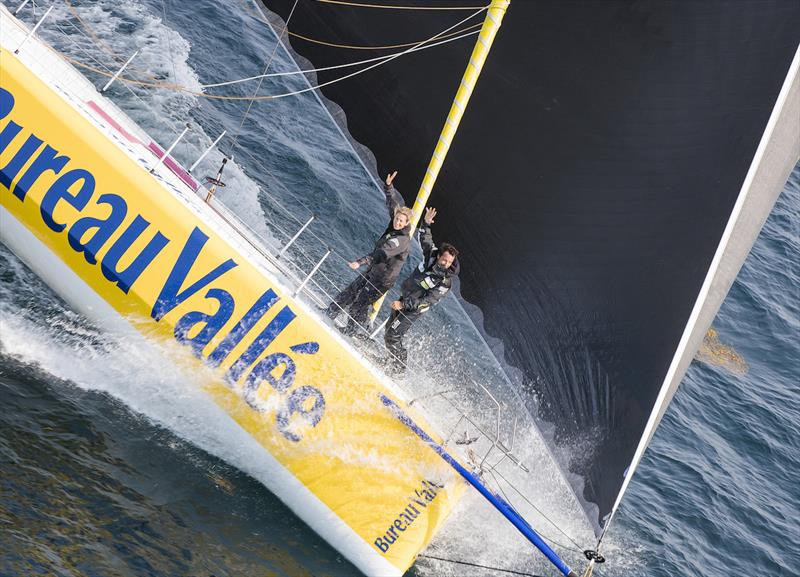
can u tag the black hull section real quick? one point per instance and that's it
(588, 186)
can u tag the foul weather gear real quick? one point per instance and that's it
(384, 265)
(427, 285)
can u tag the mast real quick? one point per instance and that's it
(491, 25)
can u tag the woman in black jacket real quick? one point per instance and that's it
(383, 264)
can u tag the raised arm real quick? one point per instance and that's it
(393, 198)
(425, 233)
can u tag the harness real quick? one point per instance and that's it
(430, 281)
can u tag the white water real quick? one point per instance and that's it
(132, 373)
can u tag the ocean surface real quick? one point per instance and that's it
(113, 466)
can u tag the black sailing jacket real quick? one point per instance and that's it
(387, 258)
(427, 285)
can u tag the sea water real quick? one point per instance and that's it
(107, 468)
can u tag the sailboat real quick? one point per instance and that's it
(601, 233)
(609, 231)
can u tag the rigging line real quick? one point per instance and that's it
(392, 7)
(529, 502)
(108, 73)
(166, 32)
(513, 508)
(278, 41)
(89, 33)
(98, 71)
(339, 66)
(179, 88)
(386, 47)
(69, 38)
(393, 57)
(468, 564)
(99, 41)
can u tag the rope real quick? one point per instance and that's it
(393, 57)
(386, 47)
(579, 549)
(169, 40)
(178, 88)
(392, 7)
(69, 38)
(89, 33)
(97, 40)
(338, 66)
(261, 80)
(553, 541)
(468, 564)
(107, 73)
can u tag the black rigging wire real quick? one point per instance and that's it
(547, 537)
(469, 564)
(278, 42)
(553, 523)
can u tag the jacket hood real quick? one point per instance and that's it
(455, 268)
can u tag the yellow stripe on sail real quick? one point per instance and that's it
(491, 25)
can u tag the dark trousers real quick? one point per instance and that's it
(355, 300)
(397, 326)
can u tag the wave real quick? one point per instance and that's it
(287, 152)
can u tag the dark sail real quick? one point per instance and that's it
(588, 186)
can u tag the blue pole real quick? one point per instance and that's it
(499, 503)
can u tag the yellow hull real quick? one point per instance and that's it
(343, 462)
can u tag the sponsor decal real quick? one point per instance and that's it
(417, 503)
(136, 247)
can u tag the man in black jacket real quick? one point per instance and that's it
(383, 264)
(428, 284)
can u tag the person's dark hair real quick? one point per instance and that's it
(447, 247)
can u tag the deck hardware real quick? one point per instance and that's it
(118, 72)
(170, 149)
(313, 271)
(295, 237)
(34, 29)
